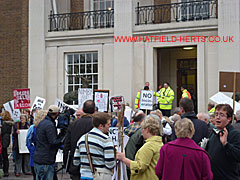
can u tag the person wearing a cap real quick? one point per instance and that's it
(47, 144)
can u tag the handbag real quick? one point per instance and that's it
(98, 173)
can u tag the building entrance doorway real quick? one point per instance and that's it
(187, 75)
(178, 66)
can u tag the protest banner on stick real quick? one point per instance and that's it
(21, 98)
(101, 99)
(84, 94)
(38, 103)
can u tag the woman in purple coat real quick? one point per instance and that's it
(183, 159)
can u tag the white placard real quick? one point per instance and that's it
(221, 98)
(15, 113)
(38, 103)
(113, 134)
(101, 100)
(22, 141)
(84, 94)
(59, 156)
(62, 105)
(146, 100)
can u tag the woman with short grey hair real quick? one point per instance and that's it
(142, 167)
(183, 156)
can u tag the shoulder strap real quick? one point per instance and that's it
(88, 154)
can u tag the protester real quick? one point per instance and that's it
(22, 160)
(237, 124)
(205, 117)
(165, 98)
(7, 124)
(75, 130)
(31, 138)
(167, 129)
(224, 145)
(115, 122)
(142, 168)
(201, 129)
(183, 158)
(101, 150)
(174, 118)
(177, 110)
(212, 119)
(135, 142)
(47, 144)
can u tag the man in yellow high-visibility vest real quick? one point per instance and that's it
(211, 108)
(165, 98)
(185, 93)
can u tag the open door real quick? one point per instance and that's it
(187, 75)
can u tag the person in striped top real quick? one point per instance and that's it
(100, 147)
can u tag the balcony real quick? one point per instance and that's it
(176, 12)
(81, 20)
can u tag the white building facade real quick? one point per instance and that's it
(64, 47)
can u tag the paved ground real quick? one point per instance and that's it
(61, 174)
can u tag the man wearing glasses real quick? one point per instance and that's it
(224, 145)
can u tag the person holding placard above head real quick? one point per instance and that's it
(22, 160)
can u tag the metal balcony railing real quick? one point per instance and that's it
(81, 20)
(176, 12)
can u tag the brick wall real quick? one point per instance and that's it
(77, 5)
(13, 47)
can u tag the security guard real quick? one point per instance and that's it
(185, 93)
(165, 98)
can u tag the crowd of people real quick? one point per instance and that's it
(182, 145)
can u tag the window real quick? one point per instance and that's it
(195, 10)
(81, 71)
(103, 4)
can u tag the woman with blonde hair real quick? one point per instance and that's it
(6, 130)
(142, 167)
(31, 137)
(182, 158)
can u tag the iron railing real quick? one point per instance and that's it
(175, 12)
(81, 20)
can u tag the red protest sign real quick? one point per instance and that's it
(21, 98)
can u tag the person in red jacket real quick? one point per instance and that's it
(183, 158)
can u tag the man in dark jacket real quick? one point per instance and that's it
(47, 144)
(75, 130)
(187, 110)
(224, 145)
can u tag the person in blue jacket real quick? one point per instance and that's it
(31, 138)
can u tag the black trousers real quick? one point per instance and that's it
(166, 112)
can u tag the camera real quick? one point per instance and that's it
(64, 118)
